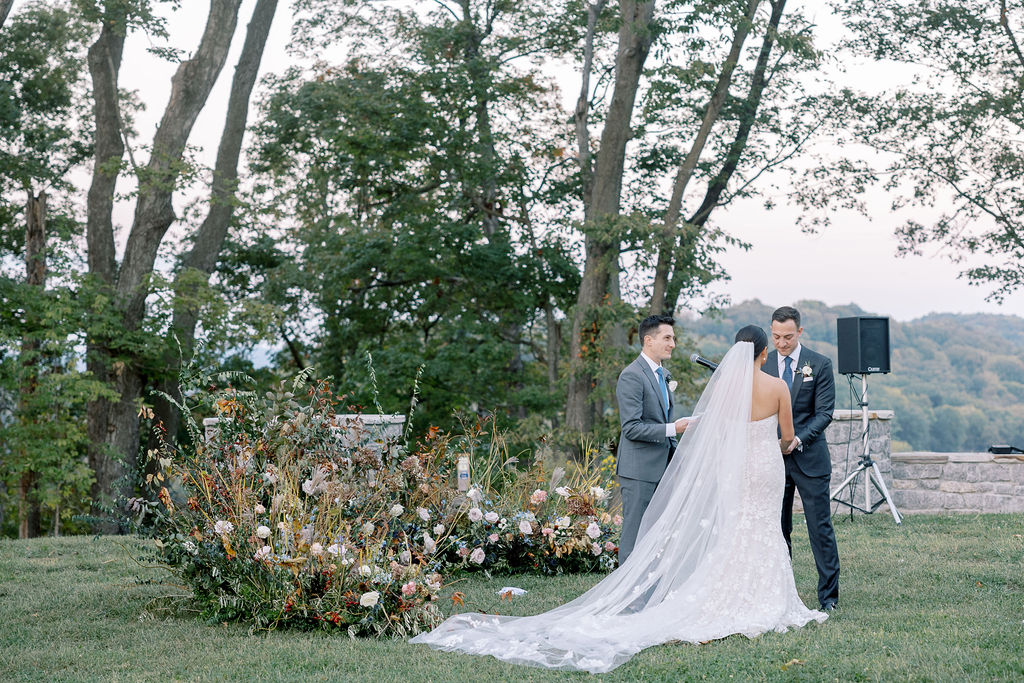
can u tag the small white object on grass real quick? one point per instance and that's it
(511, 590)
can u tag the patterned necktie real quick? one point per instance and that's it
(664, 388)
(787, 374)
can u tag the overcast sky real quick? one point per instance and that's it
(853, 261)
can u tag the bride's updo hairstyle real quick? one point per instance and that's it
(755, 335)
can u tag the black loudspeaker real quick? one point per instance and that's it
(863, 345)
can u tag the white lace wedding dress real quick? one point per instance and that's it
(710, 561)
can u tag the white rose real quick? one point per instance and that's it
(562, 491)
(429, 544)
(563, 522)
(595, 548)
(369, 599)
(424, 514)
(222, 527)
(598, 492)
(397, 510)
(525, 527)
(316, 549)
(438, 529)
(593, 530)
(491, 517)
(475, 515)
(475, 495)
(365, 570)
(477, 556)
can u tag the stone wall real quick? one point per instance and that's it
(958, 482)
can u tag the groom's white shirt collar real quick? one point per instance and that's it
(796, 360)
(654, 366)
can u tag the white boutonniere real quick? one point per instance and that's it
(672, 386)
(807, 372)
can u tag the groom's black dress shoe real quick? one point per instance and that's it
(830, 606)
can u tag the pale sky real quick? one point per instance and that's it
(853, 261)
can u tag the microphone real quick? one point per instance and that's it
(710, 365)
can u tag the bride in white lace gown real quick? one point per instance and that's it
(710, 560)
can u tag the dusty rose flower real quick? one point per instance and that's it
(617, 520)
(493, 538)
(259, 509)
(548, 531)
(593, 530)
(262, 554)
(475, 515)
(595, 548)
(223, 527)
(423, 513)
(538, 496)
(463, 552)
(525, 527)
(409, 588)
(609, 546)
(438, 529)
(491, 517)
(477, 556)
(316, 549)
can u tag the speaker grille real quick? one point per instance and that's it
(863, 345)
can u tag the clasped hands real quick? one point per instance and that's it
(787, 448)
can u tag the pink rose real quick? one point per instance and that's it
(538, 496)
(609, 546)
(617, 519)
(409, 588)
(463, 552)
(525, 527)
(595, 548)
(477, 556)
(548, 531)
(493, 538)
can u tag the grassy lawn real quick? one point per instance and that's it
(941, 598)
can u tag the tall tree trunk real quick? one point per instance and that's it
(5, 9)
(712, 111)
(29, 516)
(691, 229)
(601, 251)
(209, 240)
(114, 425)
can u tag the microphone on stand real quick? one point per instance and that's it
(710, 365)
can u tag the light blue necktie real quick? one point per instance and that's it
(787, 374)
(664, 388)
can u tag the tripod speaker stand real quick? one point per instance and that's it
(868, 468)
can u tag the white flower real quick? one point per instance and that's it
(475, 495)
(397, 510)
(525, 527)
(333, 549)
(259, 509)
(477, 556)
(423, 513)
(429, 544)
(368, 528)
(191, 547)
(369, 599)
(595, 548)
(491, 517)
(563, 522)
(502, 523)
(365, 570)
(262, 553)
(598, 492)
(438, 529)
(405, 557)
(475, 515)
(562, 491)
(270, 476)
(346, 561)
(672, 386)
(806, 370)
(222, 527)
(593, 530)
(316, 549)
(282, 526)
(434, 586)
(263, 531)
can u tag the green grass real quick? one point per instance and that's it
(941, 598)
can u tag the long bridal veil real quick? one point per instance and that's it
(643, 602)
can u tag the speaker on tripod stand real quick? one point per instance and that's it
(863, 350)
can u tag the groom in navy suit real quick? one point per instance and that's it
(808, 462)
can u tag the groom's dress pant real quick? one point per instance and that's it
(815, 496)
(636, 495)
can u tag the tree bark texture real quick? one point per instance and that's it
(601, 250)
(29, 514)
(209, 239)
(711, 114)
(114, 425)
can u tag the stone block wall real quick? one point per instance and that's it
(958, 482)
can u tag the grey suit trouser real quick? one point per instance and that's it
(636, 495)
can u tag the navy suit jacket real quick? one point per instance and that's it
(814, 401)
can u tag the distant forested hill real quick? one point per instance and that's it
(957, 381)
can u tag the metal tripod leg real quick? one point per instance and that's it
(876, 476)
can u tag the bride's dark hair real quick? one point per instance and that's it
(754, 334)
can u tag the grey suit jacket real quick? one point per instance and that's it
(643, 447)
(814, 401)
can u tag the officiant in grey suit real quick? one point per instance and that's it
(648, 431)
(808, 463)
